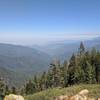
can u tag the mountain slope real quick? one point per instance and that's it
(21, 61)
(11, 78)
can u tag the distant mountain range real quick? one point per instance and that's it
(19, 63)
(63, 50)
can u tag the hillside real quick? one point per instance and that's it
(16, 61)
(51, 93)
(11, 78)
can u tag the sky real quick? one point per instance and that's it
(39, 21)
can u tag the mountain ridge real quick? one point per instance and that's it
(21, 61)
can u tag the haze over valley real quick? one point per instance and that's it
(49, 49)
(19, 59)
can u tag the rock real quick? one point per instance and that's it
(13, 97)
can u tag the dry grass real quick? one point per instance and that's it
(51, 93)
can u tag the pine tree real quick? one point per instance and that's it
(97, 67)
(64, 74)
(30, 87)
(2, 88)
(81, 49)
(36, 83)
(14, 90)
(93, 56)
(7, 90)
(55, 75)
(90, 74)
(43, 81)
(49, 82)
(79, 75)
(71, 68)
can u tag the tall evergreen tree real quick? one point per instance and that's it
(90, 74)
(97, 67)
(79, 75)
(81, 48)
(30, 87)
(2, 88)
(14, 90)
(93, 56)
(64, 74)
(71, 68)
(55, 75)
(43, 81)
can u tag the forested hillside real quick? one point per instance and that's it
(82, 68)
(18, 60)
(21, 62)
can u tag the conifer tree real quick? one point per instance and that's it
(2, 88)
(55, 75)
(79, 75)
(7, 90)
(43, 81)
(64, 74)
(71, 68)
(81, 49)
(97, 67)
(30, 87)
(49, 82)
(90, 74)
(13, 90)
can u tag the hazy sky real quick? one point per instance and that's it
(34, 21)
